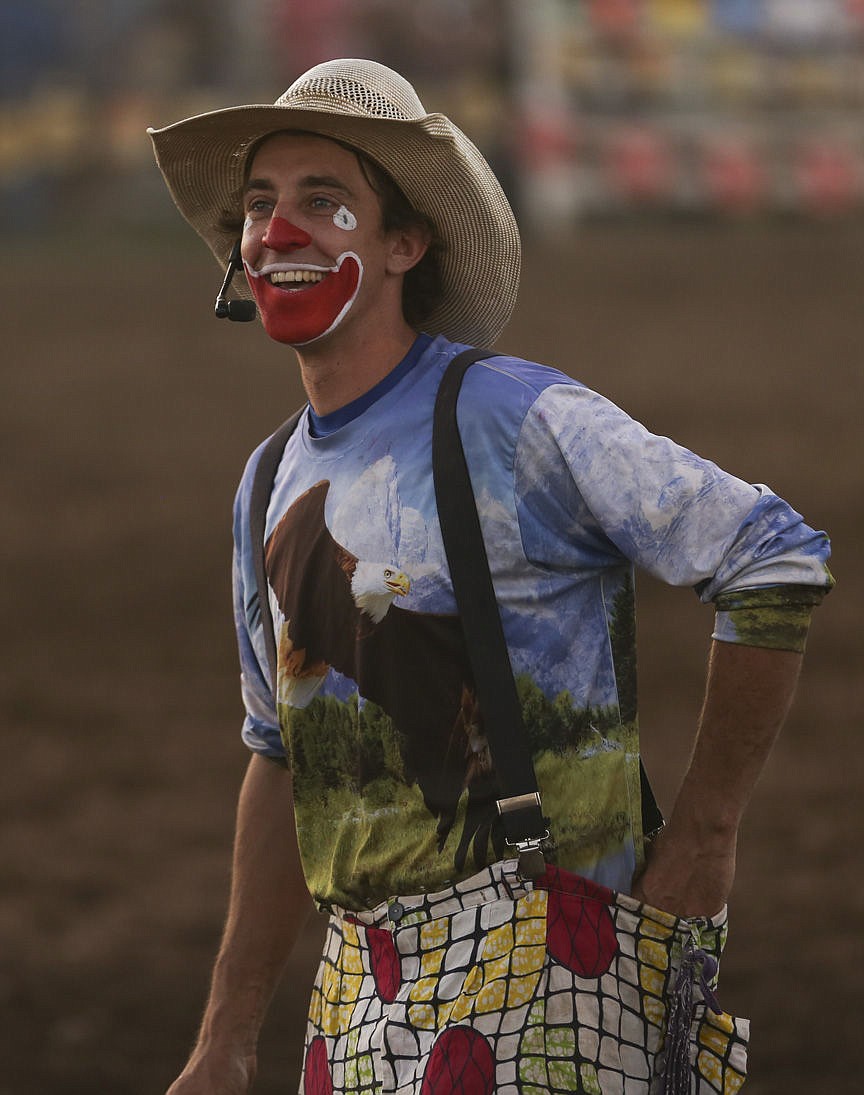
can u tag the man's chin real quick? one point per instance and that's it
(292, 334)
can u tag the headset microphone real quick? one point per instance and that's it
(242, 311)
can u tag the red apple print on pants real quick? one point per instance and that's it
(461, 1063)
(384, 962)
(580, 932)
(316, 1073)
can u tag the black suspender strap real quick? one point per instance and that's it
(481, 622)
(262, 486)
(519, 805)
(652, 817)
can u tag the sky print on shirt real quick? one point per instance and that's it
(659, 510)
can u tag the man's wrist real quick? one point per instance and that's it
(230, 1029)
(708, 819)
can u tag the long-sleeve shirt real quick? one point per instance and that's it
(393, 771)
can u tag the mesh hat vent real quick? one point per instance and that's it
(324, 94)
(355, 87)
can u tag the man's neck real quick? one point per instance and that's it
(336, 374)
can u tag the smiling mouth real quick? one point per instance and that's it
(294, 279)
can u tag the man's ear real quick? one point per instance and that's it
(407, 248)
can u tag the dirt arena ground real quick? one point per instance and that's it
(127, 413)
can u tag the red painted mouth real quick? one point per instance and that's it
(300, 312)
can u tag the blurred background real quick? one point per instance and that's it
(586, 107)
(689, 175)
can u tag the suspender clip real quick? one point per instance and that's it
(532, 864)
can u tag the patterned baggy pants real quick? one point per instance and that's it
(501, 985)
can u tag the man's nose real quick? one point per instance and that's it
(282, 235)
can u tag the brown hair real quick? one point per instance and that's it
(422, 288)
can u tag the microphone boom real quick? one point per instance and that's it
(241, 311)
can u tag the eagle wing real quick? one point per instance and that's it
(309, 573)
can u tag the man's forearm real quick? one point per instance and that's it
(268, 908)
(748, 695)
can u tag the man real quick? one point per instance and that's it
(373, 783)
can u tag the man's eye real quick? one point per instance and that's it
(258, 205)
(322, 203)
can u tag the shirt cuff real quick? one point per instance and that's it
(775, 617)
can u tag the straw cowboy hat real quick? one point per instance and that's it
(375, 110)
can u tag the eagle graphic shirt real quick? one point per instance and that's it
(375, 708)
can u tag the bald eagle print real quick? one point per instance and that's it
(341, 613)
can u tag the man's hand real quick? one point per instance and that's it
(687, 876)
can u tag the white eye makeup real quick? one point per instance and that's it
(343, 218)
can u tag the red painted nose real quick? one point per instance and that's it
(282, 235)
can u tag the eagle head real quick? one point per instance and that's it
(374, 585)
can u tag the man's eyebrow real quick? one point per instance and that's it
(327, 181)
(308, 182)
(258, 184)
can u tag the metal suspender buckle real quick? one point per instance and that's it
(532, 863)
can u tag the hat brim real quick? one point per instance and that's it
(443, 175)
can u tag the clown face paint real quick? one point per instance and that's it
(305, 198)
(299, 302)
(343, 218)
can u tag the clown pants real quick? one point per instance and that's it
(500, 985)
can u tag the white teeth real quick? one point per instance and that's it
(281, 276)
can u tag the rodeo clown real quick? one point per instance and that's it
(507, 911)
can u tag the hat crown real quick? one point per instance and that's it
(354, 87)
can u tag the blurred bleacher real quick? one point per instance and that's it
(586, 108)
